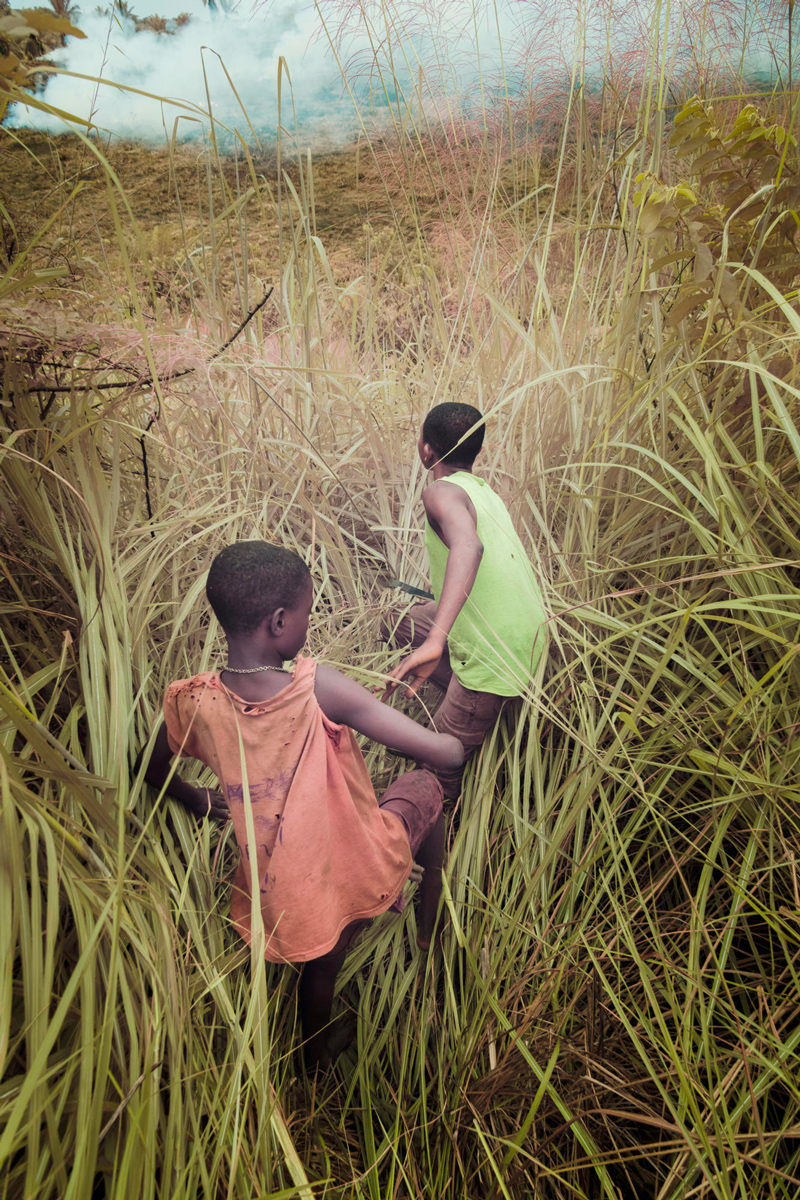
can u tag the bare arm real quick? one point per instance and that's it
(347, 703)
(201, 802)
(450, 512)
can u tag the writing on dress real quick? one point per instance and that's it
(263, 789)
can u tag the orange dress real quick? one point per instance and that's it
(325, 854)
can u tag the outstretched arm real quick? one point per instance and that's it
(451, 513)
(201, 802)
(348, 703)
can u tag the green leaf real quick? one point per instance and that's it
(627, 720)
(44, 22)
(650, 217)
(694, 143)
(9, 284)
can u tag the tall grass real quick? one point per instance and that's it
(614, 1012)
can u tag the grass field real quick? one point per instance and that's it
(615, 1011)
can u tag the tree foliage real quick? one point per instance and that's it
(733, 217)
(26, 34)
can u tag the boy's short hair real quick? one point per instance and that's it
(445, 426)
(249, 580)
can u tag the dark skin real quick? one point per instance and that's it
(453, 519)
(278, 639)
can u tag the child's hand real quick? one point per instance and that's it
(415, 669)
(210, 804)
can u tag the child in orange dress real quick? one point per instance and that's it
(320, 855)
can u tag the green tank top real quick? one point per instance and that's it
(498, 637)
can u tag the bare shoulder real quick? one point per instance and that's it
(337, 695)
(442, 498)
(328, 686)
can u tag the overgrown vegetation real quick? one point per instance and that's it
(615, 1009)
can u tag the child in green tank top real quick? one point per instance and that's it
(481, 637)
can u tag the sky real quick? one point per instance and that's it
(334, 58)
